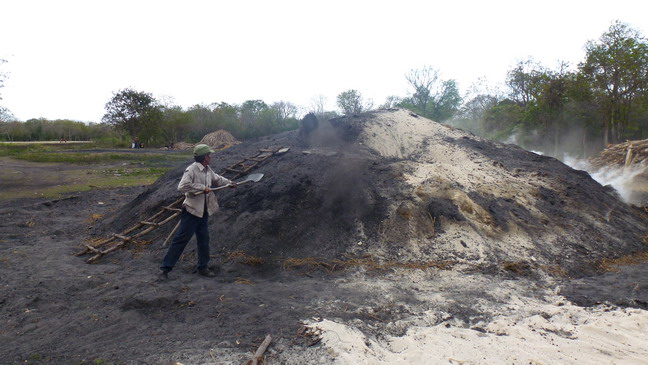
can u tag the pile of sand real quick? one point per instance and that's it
(219, 140)
(540, 332)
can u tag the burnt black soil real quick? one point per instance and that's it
(56, 309)
(318, 200)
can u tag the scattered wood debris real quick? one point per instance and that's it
(622, 154)
(259, 352)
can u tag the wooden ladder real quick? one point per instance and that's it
(247, 164)
(114, 242)
(170, 212)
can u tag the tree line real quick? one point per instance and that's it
(579, 112)
(562, 110)
(139, 115)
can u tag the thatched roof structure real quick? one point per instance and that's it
(220, 139)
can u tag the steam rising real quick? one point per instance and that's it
(622, 179)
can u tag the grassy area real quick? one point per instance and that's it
(52, 171)
(65, 153)
(59, 191)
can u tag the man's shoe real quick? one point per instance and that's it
(206, 272)
(163, 276)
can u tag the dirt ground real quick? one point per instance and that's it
(56, 309)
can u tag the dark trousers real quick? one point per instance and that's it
(189, 224)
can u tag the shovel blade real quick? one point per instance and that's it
(252, 177)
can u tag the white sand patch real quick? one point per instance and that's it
(539, 334)
(439, 169)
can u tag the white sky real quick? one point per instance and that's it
(66, 58)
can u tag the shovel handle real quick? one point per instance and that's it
(219, 188)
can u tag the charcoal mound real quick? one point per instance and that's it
(401, 188)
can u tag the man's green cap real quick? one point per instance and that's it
(202, 149)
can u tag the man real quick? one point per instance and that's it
(198, 205)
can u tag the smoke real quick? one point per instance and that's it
(622, 179)
(574, 141)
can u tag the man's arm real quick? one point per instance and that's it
(218, 180)
(187, 184)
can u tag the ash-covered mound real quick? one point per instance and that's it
(405, 189)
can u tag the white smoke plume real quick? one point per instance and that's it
(622, 179)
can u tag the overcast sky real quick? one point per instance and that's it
(67, 58)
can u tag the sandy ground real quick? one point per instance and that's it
(56, 309)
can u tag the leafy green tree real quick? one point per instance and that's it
(525, 81)
(5, 114)
(504, 120)
(432, 97)
(285, 115)
(391, 101)
(3, 76)
(12, 131)
(134, 112)
(351, 102)
(447, 103)
(424, 82)
(318, 107)
(174, 124)
(617, 67)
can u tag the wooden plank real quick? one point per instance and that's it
(173, 231)
(149, 229)
(168, 219)
(91, 248)
(113, 248)
(134, 228)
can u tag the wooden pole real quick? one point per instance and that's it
(173, 231)
(259, 352)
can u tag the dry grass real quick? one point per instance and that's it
(219, 140)
(517, 267)
(94, 217)
(243, 281)
(139, 245)
(554, 270)
(405, 212)
(633, 259)
(367, 262)
(244, 258)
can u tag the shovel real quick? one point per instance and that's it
(251, 177)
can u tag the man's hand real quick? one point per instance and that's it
(207, 190)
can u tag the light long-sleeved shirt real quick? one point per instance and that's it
(195, 179)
